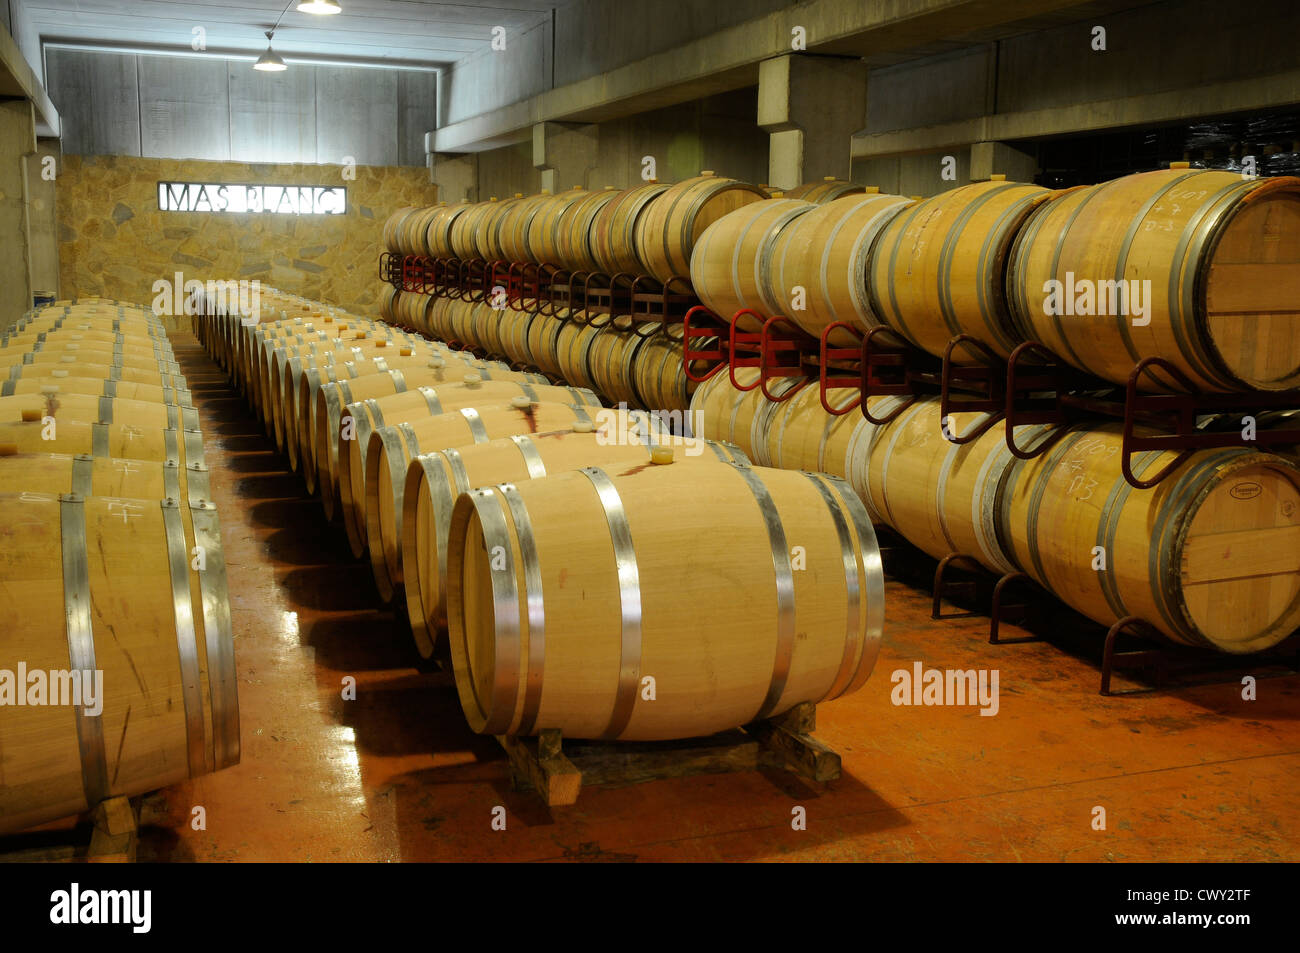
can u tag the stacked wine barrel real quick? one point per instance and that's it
(645, 233)
(1186, 265)
(527, 522)
(112, 563)
(1208, 557)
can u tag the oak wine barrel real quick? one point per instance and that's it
(618, 440)
(937, 269)
(666, 232)
(600, 583)
(107, 586)
(1214, 259)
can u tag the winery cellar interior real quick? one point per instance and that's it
(749, 431)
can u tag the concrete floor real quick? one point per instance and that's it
(1192, 774)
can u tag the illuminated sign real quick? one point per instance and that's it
(231, 197)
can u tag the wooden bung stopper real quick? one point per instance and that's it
(30, 416)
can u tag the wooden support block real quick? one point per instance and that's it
(788, 740)
(635, 762)
(784, 743)
(116, 816)
(537, 763)
(116, 833)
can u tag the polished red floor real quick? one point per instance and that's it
(1189, 774)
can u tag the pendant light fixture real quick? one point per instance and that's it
(270, 62)
(320, 7)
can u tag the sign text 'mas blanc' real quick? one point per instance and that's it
(275, 199)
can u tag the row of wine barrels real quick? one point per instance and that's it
(937, 269)
(941, 496)
(613, 235)
(391, 233)
(330, 399)
(108, 371)
(609, 589)
(123, 438)
(575, 231)
(281, 363)
(392, 448)
(466, 229)
(731, 264)
(544, 230)
(443, 366)
(817, 633)
(721, 412)
(819, 264)
(515, 222)
(1196, 267)
(303, 376)
(94, 383)
(640, 364)
(648, 229)
(611, 359)
(1207, 558)
(434, 480)
(667, 231)
(105, 500)
(375, 405)
(437, 235)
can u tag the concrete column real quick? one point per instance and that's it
(41, 170)
(564, 153)
(989, 158)
(17, 142)
(810, 106)
(456, 176)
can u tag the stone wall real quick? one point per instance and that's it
(114, 241)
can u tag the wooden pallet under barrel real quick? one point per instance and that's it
(114, 838)
(556, 770)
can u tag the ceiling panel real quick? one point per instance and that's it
(405, 32)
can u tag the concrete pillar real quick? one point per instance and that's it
(564, 153)
(810, 106)
(456, 176)
(41, 170)
(989, 158)
(17, 142)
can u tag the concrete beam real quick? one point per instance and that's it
(17, 80)
(564, 153)
(1279, 89)
(17, 142)
(729, 59)
(810, 106)
(42, 217)
(455, 176)
(990, 158)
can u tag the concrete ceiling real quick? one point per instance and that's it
(390, 32)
